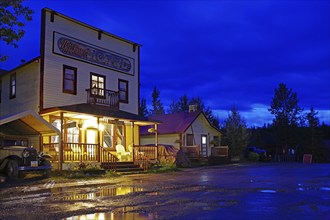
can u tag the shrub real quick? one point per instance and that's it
(253, 156)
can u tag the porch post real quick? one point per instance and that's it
(98, 141)
(60, 146)
(156, 133)
(132, 127)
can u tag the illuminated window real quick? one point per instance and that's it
(123, 90)
(97, 84)
(69, 80)
(73, 135)
(190, 139)
(12, 86)
(108, 135)
(57, 124)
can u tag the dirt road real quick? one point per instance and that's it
(248, 191)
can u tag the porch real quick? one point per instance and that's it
(95, 154)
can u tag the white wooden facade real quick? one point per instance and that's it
(201, 133)
(85, 83)
(84, 38)
(26, 88)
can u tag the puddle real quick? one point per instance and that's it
(91, 194)
(112, 216)
(268, 191)
(125, 213)
(325, 188)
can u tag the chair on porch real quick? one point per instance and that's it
(121, 153)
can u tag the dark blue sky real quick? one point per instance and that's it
(226, 52)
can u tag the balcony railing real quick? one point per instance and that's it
(103, 97)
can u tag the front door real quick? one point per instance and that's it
(204, 145)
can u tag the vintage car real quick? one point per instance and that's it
(16, 160)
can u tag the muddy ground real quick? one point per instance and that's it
(236, 191)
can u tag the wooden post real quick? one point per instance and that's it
(98, 141)
(132, 126)
(60, 150)
(156, 132)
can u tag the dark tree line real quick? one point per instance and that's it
(290, 129)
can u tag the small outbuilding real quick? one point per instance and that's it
(190, 131)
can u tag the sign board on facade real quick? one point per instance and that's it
(77, 49)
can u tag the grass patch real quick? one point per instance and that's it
(82, 174)
(163, 169)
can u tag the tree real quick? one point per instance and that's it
(12, 16)
(284, 106)
(143, 110)
(157, 106)
(183, 106)
(236, 135)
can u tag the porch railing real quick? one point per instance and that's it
(74, 152)
(103, 97)
(109, 161)
(143, 155)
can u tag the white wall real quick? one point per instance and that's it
(162, 139)
(202, 127)
(53, 63)
(27, 90)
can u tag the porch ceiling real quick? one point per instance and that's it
(86, 111)
(26, 123)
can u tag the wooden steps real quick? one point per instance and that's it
(122, 167)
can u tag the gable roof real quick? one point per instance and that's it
(177, 122)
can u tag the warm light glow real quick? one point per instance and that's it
(101, 127)
(90, 123)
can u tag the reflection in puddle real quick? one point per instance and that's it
(325, 188)
(125, 213)
(102, 192)
(112, 216)
(268, 191)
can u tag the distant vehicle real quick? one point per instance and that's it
(261, 152)
(17, 159)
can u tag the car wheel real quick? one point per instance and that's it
(47, 172)
(12, 169)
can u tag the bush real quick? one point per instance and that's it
(252, 156)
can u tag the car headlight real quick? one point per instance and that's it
(25, 154)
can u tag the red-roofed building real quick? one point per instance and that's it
(182, 129)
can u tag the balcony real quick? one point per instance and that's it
(103, 97)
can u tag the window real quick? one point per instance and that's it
(12, 86)
(190, 139)
(123, 90)
(108, 135)
(97, 84)
(69, 80)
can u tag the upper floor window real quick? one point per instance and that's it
(69, 79)
(123, 90)
(97, 84)
(12, 86)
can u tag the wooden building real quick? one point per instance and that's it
(86, 85)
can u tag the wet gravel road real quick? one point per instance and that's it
(245, 191)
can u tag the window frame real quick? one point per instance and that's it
(126, 90)
(12, 86)
(98, 88)
(74, 80)
(189, 137)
